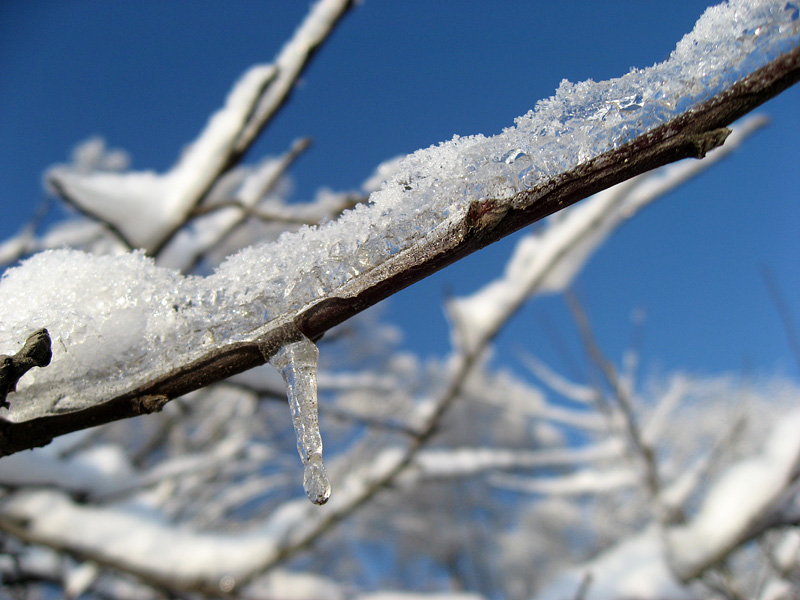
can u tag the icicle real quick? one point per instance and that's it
(297, 364)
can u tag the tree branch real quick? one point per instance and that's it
(289, 64)
(691, 134)
(68, 198)
(35, 353)
(624, 402)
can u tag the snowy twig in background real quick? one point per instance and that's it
(196, 240)
(573, 391)
(147, 209)
(623, 410)
(587, 481)
(75, 233)
(741, 504)
(259, 183)
(24, 242)
(290, 63)
(746, 500)
(463, 462)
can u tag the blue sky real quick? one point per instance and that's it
(397, 76)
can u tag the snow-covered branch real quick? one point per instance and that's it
(221, 320)
(146, 209)
(741, 504)
(738, 505)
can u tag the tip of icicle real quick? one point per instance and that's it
(315, 481)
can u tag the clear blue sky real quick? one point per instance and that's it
(400, 75)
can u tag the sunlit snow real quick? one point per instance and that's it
(117, 321)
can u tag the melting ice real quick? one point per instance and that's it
(297, 363)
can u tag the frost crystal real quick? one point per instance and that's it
(297, 364)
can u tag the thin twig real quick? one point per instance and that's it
(583, 588)
(249, 208)
(113, 229)
(779, 300)
(620, 394)
(35, 353)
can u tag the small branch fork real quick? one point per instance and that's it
(688, 135)
(35, 353)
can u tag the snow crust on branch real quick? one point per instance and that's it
(146, 541)
(548, 261)
(651, 564)
(141, 320)
(145, 207)
(740, 496)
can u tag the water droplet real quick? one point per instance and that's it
(525, 175)
(315, 480)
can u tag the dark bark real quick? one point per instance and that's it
(35, 353)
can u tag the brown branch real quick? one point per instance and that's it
(691, 134)
(35, 353)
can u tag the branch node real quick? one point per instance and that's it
(483, 215)
(705, 142)
(35, 353)
(144, 405)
